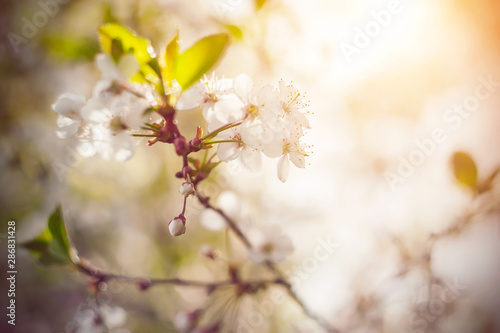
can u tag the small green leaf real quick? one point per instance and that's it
(58, 231)
(199, 59)
(67, 47)
(464, 169)
(115, 39)
(52, 245)
(171, 55)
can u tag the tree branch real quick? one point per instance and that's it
(272, 268)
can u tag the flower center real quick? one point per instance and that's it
(268, 248)
(116, 125)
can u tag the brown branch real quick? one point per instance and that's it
(87, 268)
(272, 268)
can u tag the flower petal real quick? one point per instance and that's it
(228, 151)
(67, 127)
(283, 168)
(243, 87)
(298, 159)
(128, 66)
(251, 159)
(107, 66)
(191, 98)
(69, 105)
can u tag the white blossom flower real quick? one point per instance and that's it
(71, 122)
(292, 102)
(269, 243)
(220, 105)
(101, 124)
(260, 103)
(249, 156)
(110, 115)
(294, 151)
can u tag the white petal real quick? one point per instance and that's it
(107, 66)
(273, 148)
(215, 124)
(191, 98)
(251, 159)
(229, 109)
(298, 159)
(301, 119)
(118, 147)
(85, 148)
(283, 168)
(96, 116)
(69, 105)
(67, 127)
(243, 87)
(128, 66)
(228, 151)
(282, 88)
(209, 112)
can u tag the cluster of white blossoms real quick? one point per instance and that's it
(101, 125)
(252, 120)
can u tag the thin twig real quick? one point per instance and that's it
(234, 227)
(94, 272)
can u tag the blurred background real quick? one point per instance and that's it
(396, 88)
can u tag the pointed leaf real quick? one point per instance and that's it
(116, 39)
(171, 55)
(464, 169)
(52, 245)
(199, 59)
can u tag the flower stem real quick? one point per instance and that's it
(220, 141)
(220, 129)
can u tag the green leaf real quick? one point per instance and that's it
(170, 59)
(67, 47)
(117, 40)
(464, 169)
(52, 245)
(199, 59)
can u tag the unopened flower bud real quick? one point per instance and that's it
(177, 227)
(187, 188)
(208, 251)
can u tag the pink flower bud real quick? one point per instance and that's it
(177, 227)
(208, 251)
(187, 188)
